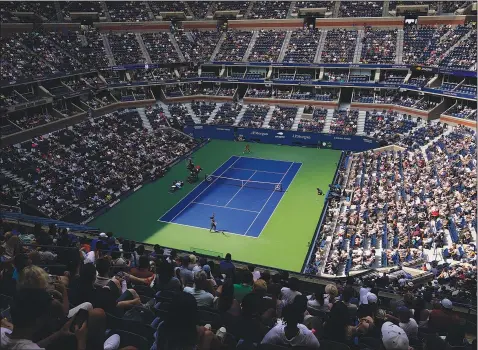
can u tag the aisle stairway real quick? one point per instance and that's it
(361, 122)
(328, 120)
(214, 112)
(399, 48)
(240, 115)
(268, 117)
(192, 114)
(145, 120)
(297, 119)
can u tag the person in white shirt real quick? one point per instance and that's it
(291, 332)
(202, 297)
(363, 294)
(289, 293)
(407, 323)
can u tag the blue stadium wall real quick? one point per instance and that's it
(282, 137)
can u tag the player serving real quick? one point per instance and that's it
(213, 223)
(247, 149)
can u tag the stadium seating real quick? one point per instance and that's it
(283, 118)
(361, 9)
(160, 48)
(267, 46)
(234, 46)
(378, 46)
(125, 48)
(269, 9)
(302, 46)
(254, 116)
(339, 46)
(344, 122)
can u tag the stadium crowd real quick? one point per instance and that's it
(135, 299)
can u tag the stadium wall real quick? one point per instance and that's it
(400, 109)
(458, 121)
(282, 137)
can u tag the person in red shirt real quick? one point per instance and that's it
(143, 269)
(441, 319)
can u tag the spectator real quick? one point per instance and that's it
(226, 266)
(225, 302)
(186, 275)
(441, 319)
(143, 269)
(165, 279)
(291, 332)
(103, 268)
(243, 285)
(202, 297)
(408, 324)
(393, 337)
(347, 296)
(317, 300)
(180, 331)
(289, 293)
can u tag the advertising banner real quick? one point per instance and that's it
(282, 137)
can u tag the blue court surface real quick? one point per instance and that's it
(243, 193)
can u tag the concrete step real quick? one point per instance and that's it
(255, 34)
(176, 47)
(328, 120)
(191, 112)
(268, 117)
(297, 119)
(214, 112)
(144, 119)
(240, 115)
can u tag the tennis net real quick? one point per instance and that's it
(221, 180)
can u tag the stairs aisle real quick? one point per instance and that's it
(15, 178)
(328, 121)
(297, 119)
(144, 119)
(386, 7)
(268, 117)
(214, 112)
(255, 34)
(191, 112)
(176, 46)
(165, 108)
(143, 48)
(358, 46)
(240, 115)
(320, 47)
(284, 46)
(361, 122)
(399, 49)
(109, 53)
(218, 46)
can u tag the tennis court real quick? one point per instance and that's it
(242, 193)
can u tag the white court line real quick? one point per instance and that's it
(220, 206)
(203, 228)
(235, 194)
(267, 201)
(274, 160)
(277, 206)
(259, 171)
(238, 157)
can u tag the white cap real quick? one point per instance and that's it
(103, 235)
(394, 337)
(371, 298)
(446, 303)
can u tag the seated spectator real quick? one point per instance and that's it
(180, 331)
(317, 300)
(291, 332)
(165, 279)
(393, 337)
(243, 285)
(408, 324)
(441, 319)
(143, 269)
(289, 293)
(225, 302)
(202, 297)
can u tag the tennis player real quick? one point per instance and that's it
(213, 223)
(247, 149)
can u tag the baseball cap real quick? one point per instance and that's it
(103, 235)
(206, 268)
(394, 337)
(371, 298)
(446, 303)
